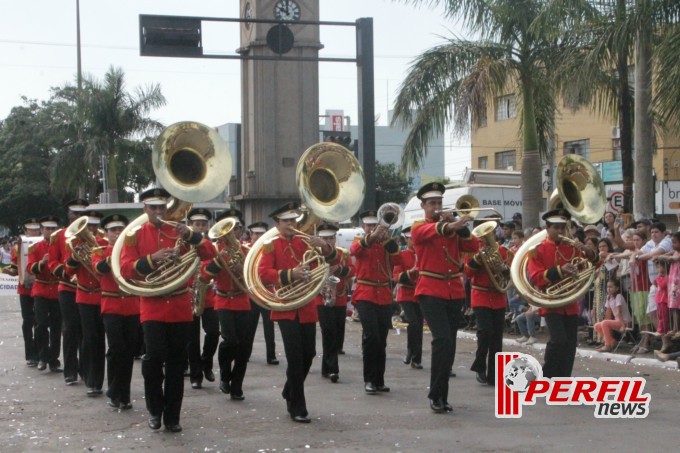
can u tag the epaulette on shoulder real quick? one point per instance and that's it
(417, 223)
(533, 252)
(99, 251)
(131, 237)
(357, 238)
(55, 236)
(268, 246)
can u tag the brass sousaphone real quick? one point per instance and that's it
(581, 192)
(192, 162)
(331, 184)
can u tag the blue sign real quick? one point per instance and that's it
(611, 171)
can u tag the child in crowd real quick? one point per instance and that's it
(616, 309)
(674, 287)
(661, 296)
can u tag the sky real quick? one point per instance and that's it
(38, 52)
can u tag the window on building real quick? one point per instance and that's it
(483, 162)
(506, 107)
(505, 160)
(580, 147)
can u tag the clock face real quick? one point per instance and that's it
(248, 13)
(287, 10)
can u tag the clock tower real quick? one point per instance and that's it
(280, 103)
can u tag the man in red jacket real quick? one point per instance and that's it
(45, 295)
(440, 241)
(32, 233)
(282, 264)
(166, 319)
(72, 328)
(488, 305)
(548, 263)
(375, 254)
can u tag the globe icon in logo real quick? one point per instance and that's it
(521, 371)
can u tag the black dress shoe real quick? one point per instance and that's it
(224, 387)
(70, 380)
(272, 361)
(173, 428)
(382, 388)
(452, 374)
(437, 406)
(126, 406)
(32, 363)
(481, 377)
(209, 375)
(56, 369)
(301, 418)
(341, 352)
(187, 373)
(114, 403)
(370, 388)
(237, 397)
(325, 375)
(196, 385)
(42, 365)
(447, 406)
(155, 422)
(416, 366)
(334, 377)
(407, 359)
(91, 392)
(98, 391)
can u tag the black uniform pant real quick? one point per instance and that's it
(299, 343)
(28, 327)
(332, 322)
(94, 345)
(235, 348)
(443, 318)
(122, 334)
(47, 330)
(560, 351)
(201, 362)
(376, 321)
(490, 325)
(414, 331)
(267, 326)
(166, 350)
(73, 335)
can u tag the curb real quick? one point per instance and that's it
(590, 354)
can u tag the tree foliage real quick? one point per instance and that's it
(391, 186)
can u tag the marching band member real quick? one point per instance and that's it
(233, 311)
(439, 241)
(201, 364)
(45, 296)
(73, 333)
(120, 315)
(374, 255)
(31, 230)
(88, 299)
(406, 276)
(332, 313)
(488, 305)
(257, 229)
(166, 319)
(281, 264)
(549, 262)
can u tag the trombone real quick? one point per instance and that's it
(468, 205)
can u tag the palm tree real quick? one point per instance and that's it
(667, 98)
(450, 83)
(111, 121)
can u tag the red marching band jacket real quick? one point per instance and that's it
(484, 293)
(279, 258)
(113, 300)
(440, 259)
(374, 265)
(88, 289)
(57, 260)
(46, 284)
(345, 273)
(21, 289)
(227, 295)
(544, 267)
(136, 263)
(405, 277)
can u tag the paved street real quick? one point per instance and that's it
(38, 412)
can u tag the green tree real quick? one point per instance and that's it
(105, 123)
(391, 186)
(667, 78)
(451, 83)
(24, 174)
